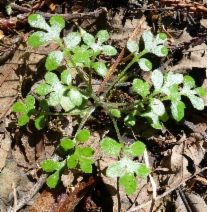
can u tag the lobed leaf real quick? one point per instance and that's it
(129, 182)
(53, 180)
(72, 40)
(137, 148)
(100, 68)
(66, 77)
(43, 89)
(85, 165)
(103, 36)
(132, 46)
(86, 151)
(110, 146)
(75, 96)
(38, 21)
(67, 144)
(109, 50)
(157, 107)
(50, 165)
(142, 88)
(177, 109)
(23, 119)
(72, 161)
(19, 107)
(54, 60)
(157, 79)
(30, 101)
(40, 122)
(88, 39)
(115, 169)
(143, 171)
(145, 64)
(57, 23)
(83, 135)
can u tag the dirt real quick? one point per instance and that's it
(176, 154)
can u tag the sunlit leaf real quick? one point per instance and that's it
(83, 135)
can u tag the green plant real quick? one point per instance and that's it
(81, 51)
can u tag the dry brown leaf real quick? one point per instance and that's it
(196, 202)
(5, 147)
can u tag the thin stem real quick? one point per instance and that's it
(118, 77)
(116, 128)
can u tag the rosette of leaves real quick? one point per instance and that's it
(61, 92)
(84, 55)
(29, 109)
(152, 45)
(26, 110)
(125, 168)
(168, 87)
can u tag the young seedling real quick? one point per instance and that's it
(81, 51)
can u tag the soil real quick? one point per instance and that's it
(177, 153)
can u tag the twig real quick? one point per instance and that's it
(67, 17)
(154, 187)
(113, 67)
(165, 193)
(15, 197)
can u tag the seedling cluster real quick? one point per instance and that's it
(82, 50)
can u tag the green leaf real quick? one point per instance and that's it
(129, 182)
(83, 135)
(57, 23)
(30, 101)
(72, 161)
(160, 51)
(85, 165)
(37, 39)
(44, 104)
(66, 77)
(23, 119)
(197, 102)
(54, 60)
(43, 89)
(188, 82)
(147, 37)
(115, 169)
(109, 50)
(130, 120)
(38, 21)
(88, 39)
(145, 64)
(142, 88)
(100, 68)
(153, 119)
(67, 144)
(72, 40)
(53, 180)
(157, 107)
(75, 96)
(51, 78)
(177, 108)
(55, 98)
(40, 122)
(103, 36)
(81, 57)
(19, 107)
(143, 171)
(51, 165)
(137, 148)
(201, 91)
(111, 146)
(157, 79)
(86, 151)
(66, 103)
(132, 46)
(115, 113)
(160, 38)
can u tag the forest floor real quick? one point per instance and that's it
(176, 153)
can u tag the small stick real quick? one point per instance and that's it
(67, 16)
(113, 67)
(15, 197)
